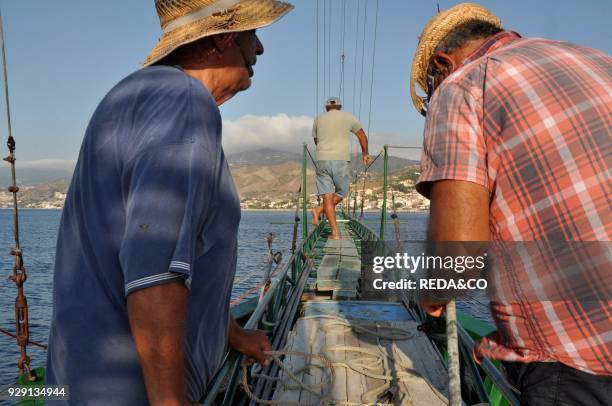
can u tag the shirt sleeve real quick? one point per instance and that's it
(169, 192)
(453, 144)
(314, 129)
(355, 125)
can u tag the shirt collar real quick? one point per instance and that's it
(495, 42)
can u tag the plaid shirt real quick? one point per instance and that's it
(531, 120)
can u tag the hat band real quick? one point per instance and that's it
(199, 14)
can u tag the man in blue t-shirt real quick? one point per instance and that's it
(146, 251)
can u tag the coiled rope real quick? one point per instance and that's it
(368, 362)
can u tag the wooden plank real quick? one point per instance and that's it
(339, 388)
(344, 294)
(369, 343)
(350, 263)
(413, 355)
(359, 309)
(356, 383)
(330, 261)
(343, 243)
(347, 274)
(326, 285)
(349, 252)
(421, 356)
(312, 345)
(282, 393)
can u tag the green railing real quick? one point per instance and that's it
(265, 316)
(278, 305)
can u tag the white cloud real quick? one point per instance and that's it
(287, 133)
(48, 164)
(281, 132)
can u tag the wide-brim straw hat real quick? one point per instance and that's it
(185, 21)
(434, 32)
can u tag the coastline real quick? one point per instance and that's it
(244, 210)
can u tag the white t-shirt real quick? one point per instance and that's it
(332, 130)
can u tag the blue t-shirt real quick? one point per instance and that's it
(151, 201)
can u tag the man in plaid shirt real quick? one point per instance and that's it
(517, 147)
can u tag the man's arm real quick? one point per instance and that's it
(157, 316)
(363, 142)
(314, 131)
(459, 212)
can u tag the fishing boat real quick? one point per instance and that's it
(337, 342)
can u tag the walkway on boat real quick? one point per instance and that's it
(378, 354)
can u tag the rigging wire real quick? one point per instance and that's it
(329, 47)
(373, 63)
(341, 91)
(354, 104)
(365, 23)
(317, 60)
(324, 48)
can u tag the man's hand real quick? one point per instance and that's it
(252, 343)
(433, 307)
(367, 159)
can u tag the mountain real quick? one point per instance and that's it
(33, 175)
(261, 176)
(266, 156)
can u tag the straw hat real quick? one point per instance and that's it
(185, 21)
(434, 32)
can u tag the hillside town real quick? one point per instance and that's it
(401, 193)
(265, 179)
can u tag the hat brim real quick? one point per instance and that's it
(245, 16)
(434, 32)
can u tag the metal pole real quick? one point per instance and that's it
(452, 348)
(304, 195)
(383, 214)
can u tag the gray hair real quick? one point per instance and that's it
(460, 36)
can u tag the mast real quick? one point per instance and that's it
(19, 275)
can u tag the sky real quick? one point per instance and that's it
(63, 56)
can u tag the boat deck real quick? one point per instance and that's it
(378, 355)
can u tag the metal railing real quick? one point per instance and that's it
(265, 316)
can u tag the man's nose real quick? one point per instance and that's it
(259, 49)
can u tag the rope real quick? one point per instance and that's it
(354, 105)
(254, 288)
(341, 92)
(324, 48)
(373, 63)
(19, 275)
(317, 60)
(326, 366)
(396, 223)
(329, 46)
(296, 220)
(365, 175)
(34, 343)
(368, 362)
(312, 159)
(365, 22)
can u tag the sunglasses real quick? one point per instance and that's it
(431, 88)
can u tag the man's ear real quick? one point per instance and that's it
(444, 63)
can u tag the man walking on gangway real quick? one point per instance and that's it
(331, 136)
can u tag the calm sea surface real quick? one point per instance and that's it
(38, 235)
